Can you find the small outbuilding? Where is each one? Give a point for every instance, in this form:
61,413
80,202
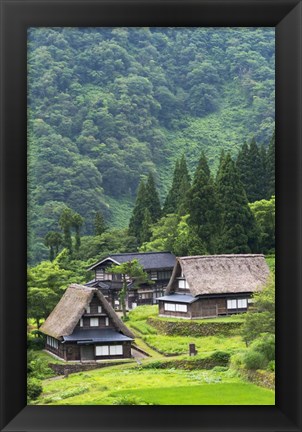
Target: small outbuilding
84,326
213,285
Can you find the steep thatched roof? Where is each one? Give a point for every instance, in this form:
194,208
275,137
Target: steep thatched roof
217,274
65,316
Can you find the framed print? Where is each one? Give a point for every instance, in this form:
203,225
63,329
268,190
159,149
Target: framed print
138,184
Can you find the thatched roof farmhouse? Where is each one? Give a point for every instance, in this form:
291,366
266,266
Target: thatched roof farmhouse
212,285
84,326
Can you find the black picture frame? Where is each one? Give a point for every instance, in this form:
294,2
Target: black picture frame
16,17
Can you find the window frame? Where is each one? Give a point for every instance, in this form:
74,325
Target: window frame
94,319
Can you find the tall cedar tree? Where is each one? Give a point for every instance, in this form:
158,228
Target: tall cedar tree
99,223
146,227
256,186
77,224
66,222
176,200
270,168
147,199
203,206
239,233
152,199
53,240
243,165
251,167
136,220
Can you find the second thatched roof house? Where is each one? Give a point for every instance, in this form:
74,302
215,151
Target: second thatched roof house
83,326
213,285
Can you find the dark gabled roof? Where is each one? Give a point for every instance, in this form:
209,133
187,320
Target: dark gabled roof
104,284
96,335
149,260
179,298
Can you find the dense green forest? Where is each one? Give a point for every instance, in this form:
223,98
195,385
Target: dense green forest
110,109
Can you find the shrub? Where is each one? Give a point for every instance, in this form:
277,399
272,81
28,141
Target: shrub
271,366
34,389
130,400
143,312
220,368
237,361
221,357
265,344
37,366
34,342
254,360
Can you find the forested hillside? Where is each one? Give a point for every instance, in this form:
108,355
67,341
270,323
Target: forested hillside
107,107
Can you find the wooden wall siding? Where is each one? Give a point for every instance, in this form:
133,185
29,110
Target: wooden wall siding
72,352
60,352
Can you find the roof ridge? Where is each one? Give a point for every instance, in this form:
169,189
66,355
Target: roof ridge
222,256
139,253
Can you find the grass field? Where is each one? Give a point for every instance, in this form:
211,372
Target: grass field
133,385
205,345
206,394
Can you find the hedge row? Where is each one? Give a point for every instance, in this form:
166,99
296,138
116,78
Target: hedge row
193,328
218,358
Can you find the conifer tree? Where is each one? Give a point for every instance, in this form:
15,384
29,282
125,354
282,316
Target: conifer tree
255,189
152,199
176,200
171,198
66,222
99,223
146,233
147,200
270,168
239,232
77,224
251,170
136,220
53,240
243,167
203,207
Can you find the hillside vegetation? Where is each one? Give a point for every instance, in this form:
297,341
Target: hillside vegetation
108,106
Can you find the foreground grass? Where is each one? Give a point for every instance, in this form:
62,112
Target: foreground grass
131,384
205,394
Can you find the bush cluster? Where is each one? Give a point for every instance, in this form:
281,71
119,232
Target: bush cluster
35,341
34,389
259,355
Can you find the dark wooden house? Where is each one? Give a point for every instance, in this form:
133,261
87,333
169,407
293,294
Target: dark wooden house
158,266
211,286
83,326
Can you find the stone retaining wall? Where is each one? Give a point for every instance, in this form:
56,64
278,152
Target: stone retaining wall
262,378
193,328
65,369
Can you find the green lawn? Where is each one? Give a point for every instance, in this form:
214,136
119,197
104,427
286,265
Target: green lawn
204,345
205,394
131,384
